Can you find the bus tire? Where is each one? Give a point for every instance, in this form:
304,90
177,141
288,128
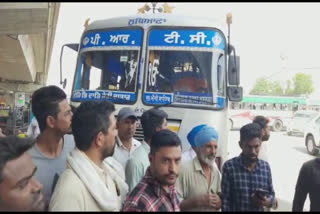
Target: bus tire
277,126
311,146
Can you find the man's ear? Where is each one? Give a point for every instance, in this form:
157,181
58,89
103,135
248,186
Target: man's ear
50,121
240,144
158,129
151,157
195,149
99,139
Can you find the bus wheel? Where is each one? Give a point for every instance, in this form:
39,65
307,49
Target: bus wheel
277,126
311,146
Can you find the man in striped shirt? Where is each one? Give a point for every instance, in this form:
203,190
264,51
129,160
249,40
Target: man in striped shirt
246,180
156,191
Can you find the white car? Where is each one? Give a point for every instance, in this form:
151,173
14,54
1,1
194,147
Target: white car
299,121
312,136
236,121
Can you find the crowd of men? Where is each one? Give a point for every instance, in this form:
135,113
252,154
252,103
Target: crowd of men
86,159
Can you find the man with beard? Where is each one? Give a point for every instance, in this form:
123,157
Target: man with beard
156,191
152,121
89,183
199,182
19,189
265,135
125,143
246,180
53,113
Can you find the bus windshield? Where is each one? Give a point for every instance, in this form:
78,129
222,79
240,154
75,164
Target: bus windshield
108,66
185,67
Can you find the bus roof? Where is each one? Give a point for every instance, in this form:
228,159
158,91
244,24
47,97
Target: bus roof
274,99
159,19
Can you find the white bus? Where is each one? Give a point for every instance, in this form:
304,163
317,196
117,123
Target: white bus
160,60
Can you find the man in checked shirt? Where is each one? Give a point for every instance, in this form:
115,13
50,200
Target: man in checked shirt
246,180
156,191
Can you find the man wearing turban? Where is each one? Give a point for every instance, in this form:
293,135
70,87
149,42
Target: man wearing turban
199,181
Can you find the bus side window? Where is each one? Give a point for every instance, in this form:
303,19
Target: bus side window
85,81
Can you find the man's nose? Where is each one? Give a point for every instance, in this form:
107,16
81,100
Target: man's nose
173,168
36,185
253,151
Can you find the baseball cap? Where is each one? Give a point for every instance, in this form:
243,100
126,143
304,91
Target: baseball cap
126,112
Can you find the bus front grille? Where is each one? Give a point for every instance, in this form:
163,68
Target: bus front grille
139,133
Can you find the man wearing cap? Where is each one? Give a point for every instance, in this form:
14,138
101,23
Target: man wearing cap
199,181
125,143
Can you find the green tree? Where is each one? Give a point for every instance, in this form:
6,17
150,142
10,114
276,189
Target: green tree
261,87
276,89
267,87
288,91
302,84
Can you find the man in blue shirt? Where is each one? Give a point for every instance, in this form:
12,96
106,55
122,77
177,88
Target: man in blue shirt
246,180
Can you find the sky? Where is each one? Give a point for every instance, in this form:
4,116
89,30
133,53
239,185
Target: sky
273,40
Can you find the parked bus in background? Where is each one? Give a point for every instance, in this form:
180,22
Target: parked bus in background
279,109
183,65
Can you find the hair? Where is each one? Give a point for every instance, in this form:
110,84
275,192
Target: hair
151,120
89,119
12,147
261,120
73,108
249,131
45,102
164,138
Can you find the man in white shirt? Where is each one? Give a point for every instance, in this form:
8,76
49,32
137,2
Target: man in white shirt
125,143
89,183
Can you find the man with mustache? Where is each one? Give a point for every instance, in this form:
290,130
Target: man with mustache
19,189
152,121
125,142
246,180
156,191
265,135
199,182
89,183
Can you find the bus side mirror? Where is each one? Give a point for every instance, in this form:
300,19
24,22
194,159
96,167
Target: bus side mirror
234,70
73,46
235,93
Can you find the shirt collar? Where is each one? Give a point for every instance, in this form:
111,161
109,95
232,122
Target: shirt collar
157,186
120,144
196,164
99,169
